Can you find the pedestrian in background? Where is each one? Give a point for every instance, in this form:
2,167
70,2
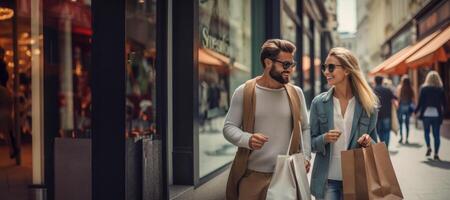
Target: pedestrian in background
386,97
430,108
405,94
342,118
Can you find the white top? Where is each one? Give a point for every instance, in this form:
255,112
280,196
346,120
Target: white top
273,118
431,112
344,124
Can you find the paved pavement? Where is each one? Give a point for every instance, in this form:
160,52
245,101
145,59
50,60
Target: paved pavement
14,180
421,177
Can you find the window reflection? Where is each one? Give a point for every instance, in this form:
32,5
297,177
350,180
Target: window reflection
224,64
68,33
289,28
141,68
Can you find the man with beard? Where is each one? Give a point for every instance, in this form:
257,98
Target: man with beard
263,114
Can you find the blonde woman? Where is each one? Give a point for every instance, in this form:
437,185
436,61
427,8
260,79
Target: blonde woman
342,118
430,108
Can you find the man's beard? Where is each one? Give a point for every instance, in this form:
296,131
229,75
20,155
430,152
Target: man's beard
278,76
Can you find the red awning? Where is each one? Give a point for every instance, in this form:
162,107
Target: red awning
431,52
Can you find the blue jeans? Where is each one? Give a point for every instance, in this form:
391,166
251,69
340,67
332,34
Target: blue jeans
384,130
334,190
404,111
435,124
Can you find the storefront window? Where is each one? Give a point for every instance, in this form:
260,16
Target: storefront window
140,69
15,69
224,64
20,54
401,41
142,144
68,31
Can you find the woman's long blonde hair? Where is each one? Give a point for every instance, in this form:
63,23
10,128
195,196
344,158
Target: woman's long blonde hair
358,83
433,79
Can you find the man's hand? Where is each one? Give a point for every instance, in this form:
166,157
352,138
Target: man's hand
332,136
365,140
257,141
307,166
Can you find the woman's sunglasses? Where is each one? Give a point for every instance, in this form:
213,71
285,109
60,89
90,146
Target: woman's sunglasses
330,67
286,64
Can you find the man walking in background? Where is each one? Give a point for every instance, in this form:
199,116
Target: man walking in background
384,115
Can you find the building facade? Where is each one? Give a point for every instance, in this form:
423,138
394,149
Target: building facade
379,20
348,41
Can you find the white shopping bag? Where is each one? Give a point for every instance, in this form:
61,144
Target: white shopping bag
289,180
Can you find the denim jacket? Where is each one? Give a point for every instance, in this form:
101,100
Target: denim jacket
321,121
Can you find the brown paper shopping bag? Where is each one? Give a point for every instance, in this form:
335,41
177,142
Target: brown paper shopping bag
368,174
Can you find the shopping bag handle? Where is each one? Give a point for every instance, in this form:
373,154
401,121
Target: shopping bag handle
301,139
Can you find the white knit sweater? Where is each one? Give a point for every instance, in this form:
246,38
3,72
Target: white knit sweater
273,118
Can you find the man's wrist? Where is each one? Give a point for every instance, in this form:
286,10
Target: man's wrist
250,142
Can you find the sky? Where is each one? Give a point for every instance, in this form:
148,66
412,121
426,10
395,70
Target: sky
346,15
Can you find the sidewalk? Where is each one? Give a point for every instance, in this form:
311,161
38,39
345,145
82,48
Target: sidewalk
14,180
421,177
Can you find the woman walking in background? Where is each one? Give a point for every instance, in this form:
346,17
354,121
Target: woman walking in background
405,107
431,106
342,118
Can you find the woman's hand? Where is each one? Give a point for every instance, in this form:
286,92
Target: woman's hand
307,165
332,136
365,140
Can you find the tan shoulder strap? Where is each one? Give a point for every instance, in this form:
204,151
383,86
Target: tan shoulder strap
248,120
239,165
294,103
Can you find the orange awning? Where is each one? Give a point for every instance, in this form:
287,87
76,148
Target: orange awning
398,65
431,52
210,57
385,63
205,57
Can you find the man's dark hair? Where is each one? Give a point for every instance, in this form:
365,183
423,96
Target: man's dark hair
271,48
378,80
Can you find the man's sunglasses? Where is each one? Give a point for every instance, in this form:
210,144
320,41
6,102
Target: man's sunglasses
286,64
330,67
